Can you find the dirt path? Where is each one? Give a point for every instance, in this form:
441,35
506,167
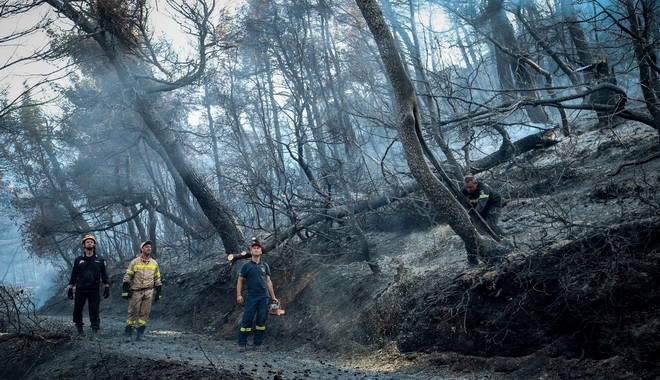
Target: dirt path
171,354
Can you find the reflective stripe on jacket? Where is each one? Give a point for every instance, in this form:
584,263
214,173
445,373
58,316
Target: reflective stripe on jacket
143,275
483,198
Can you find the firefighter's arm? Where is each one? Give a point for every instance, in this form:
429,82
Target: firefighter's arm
481,204
128,276
126,292
74,275
104,274
106,281
269,284
239,290
158,281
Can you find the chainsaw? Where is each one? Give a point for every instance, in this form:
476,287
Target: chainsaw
274,308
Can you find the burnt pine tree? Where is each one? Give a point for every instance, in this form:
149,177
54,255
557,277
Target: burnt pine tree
113,29
409,130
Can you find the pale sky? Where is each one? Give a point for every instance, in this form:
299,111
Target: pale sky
12,77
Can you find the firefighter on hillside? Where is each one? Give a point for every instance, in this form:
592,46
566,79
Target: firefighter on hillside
485,201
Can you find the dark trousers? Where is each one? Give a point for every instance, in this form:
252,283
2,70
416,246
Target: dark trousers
94,301
258,306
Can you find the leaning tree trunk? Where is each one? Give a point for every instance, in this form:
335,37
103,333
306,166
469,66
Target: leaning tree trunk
220,216
408,127
425,83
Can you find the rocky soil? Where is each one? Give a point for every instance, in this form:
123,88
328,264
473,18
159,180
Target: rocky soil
576,299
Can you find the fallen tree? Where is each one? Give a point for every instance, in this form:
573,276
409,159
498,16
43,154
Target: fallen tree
540,140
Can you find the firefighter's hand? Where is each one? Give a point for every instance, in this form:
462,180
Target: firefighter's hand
158,295
125,293
106,292
70,293
240,299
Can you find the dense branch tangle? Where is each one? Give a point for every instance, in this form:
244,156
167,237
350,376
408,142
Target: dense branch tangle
308,77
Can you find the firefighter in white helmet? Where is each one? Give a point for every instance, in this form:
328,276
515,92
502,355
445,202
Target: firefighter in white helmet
142,284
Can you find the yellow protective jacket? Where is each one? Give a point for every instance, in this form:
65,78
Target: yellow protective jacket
143,275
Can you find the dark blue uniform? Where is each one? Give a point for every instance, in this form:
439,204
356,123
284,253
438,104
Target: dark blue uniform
257,301
488,204
87,275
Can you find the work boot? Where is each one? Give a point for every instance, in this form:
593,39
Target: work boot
81,333
140,332
128,333
242,347
94,336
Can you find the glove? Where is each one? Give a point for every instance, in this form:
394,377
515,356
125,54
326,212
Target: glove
126,290
158,295
70,293
106,292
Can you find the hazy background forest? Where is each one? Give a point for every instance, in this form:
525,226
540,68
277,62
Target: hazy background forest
198,126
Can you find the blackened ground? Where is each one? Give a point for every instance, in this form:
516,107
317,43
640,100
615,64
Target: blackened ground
169,354
576,299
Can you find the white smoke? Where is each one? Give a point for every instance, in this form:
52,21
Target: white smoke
18,269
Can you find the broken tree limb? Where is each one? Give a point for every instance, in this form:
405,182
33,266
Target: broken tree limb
238,256
635,163
539,140
35,336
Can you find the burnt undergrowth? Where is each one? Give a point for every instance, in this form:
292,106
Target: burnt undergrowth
576,299
586,299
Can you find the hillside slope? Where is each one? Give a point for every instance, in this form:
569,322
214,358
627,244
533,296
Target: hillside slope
576,298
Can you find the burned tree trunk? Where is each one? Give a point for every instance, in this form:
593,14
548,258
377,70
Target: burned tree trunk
408,127
540,140
514,73
143,100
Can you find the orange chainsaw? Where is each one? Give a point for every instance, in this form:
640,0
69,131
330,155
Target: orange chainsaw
274,308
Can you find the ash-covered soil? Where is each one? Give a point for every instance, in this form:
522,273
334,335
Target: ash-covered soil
576,299
169,354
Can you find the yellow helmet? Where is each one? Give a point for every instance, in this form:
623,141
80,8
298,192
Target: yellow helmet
88,236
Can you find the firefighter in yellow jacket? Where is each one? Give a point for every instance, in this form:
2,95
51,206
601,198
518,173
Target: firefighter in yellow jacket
141,282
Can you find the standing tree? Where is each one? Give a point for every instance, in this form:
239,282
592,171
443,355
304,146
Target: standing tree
408,127
643,31
513,71
121,33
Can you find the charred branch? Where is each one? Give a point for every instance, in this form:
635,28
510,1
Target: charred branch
540,140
